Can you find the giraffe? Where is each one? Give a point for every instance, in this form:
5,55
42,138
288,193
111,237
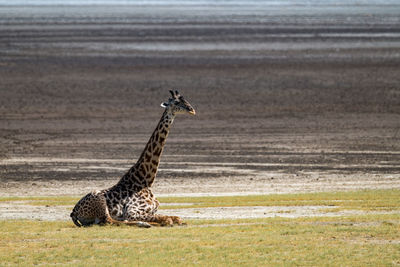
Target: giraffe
131,200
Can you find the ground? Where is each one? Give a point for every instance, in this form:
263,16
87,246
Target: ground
284,103
292,159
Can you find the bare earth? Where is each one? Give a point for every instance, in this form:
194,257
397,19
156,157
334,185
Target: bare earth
285,104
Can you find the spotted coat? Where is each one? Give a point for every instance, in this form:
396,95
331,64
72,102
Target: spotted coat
131,200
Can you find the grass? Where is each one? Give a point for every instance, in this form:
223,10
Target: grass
368,240
372,200
362,240
367,200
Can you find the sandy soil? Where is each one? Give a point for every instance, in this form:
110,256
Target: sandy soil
285,103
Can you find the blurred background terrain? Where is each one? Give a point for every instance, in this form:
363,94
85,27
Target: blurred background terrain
291,96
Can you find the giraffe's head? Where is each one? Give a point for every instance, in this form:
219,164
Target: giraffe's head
177,104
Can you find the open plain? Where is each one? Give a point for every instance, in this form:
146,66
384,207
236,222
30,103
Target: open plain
292,159
293,98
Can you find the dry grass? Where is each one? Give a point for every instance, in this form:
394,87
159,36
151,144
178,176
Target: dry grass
363,240
355,241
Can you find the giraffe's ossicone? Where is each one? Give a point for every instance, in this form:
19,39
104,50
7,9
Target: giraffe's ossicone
131,201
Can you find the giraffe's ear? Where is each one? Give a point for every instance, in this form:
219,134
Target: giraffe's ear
164,105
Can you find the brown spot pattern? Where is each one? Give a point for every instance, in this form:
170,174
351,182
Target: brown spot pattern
131,198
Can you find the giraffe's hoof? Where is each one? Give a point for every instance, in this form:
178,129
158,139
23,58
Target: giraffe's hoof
177,220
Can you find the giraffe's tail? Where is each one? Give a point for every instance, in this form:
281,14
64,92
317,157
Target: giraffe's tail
75,219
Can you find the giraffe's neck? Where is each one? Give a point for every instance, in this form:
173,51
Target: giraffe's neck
147,164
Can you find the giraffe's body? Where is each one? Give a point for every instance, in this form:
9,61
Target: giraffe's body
131,201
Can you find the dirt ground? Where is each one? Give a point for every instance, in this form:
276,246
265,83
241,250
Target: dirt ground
60,136
284,104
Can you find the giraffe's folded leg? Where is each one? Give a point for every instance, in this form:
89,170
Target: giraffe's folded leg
126,222
165,220
161,219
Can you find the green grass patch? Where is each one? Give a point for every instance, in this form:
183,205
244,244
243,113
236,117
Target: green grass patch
369,200
369,240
